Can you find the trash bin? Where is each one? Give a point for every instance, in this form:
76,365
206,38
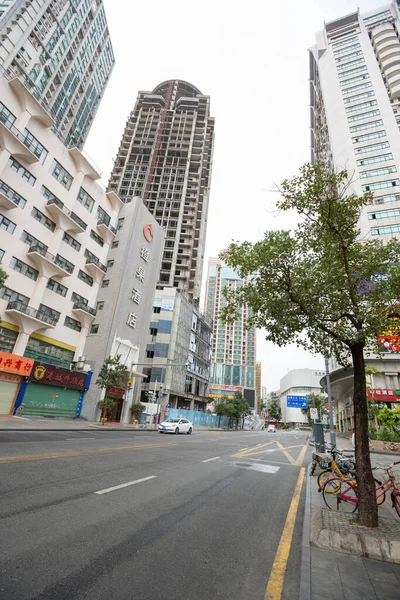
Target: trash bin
319,437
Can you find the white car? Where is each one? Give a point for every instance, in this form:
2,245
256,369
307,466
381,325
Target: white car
271,428
176,426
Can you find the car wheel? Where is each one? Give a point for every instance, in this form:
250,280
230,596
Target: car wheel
190,430
160,431
177,431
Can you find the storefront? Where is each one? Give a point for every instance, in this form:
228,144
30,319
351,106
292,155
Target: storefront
54,391
13,370
114,413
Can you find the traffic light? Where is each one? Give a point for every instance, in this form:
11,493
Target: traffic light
130,381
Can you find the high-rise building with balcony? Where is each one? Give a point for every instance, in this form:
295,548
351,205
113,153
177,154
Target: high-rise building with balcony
355,109
233,358
61,51
165,157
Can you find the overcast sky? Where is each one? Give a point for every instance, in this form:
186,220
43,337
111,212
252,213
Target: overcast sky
251,58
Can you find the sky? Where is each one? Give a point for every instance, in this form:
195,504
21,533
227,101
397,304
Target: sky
251,59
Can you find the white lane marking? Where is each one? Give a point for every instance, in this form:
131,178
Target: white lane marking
23,418
256,467
210,459
79,439
243,448
258,445
124,485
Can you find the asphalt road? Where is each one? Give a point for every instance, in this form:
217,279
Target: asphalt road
201,518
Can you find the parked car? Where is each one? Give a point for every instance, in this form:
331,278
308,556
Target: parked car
176,426
271,428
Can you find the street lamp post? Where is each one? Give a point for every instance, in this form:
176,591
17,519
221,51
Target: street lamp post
328,385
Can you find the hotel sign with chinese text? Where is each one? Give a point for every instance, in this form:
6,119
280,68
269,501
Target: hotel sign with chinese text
52,375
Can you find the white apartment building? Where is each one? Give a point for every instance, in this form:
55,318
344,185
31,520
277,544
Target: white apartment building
56,227
355,109
298,382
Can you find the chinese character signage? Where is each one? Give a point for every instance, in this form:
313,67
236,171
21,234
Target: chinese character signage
382,395
12,363
52,375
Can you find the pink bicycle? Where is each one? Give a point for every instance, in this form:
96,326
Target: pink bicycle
340,494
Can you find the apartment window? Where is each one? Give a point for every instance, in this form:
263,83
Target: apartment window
6,116
100,305
94,328
352,63
72,323
102,216
76,298
366,126
343,42
12,194
385,230
156,309
347,49
61,175
354,79
369,136
71,241
85,278
366,115
372,147
378,16
355,88
387,198
115,244
53,314
21,171
374,159
356,107
23,268
64,263
39,216
35,146
12,296
56,287
380,185
99,240
348,56
105,283
2,253
6,224
29,239
120,223
85,199
385,214
110,263
378,172
356,98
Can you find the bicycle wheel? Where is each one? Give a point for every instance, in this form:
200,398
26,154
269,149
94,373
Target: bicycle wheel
323,478
345,500
396,502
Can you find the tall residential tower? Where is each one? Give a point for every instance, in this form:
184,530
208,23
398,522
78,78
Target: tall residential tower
165,157
61,51
233,358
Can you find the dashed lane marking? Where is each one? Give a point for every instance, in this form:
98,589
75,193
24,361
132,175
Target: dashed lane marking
210,459
124,485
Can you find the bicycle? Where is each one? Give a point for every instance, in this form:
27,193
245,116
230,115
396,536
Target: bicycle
341,464
346,498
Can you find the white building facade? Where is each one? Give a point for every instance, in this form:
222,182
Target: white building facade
56,226
298,382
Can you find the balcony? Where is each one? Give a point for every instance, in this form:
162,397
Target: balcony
115,200
17,144
48,262
106,229
18,309
9,198
65,216
96,268
81,306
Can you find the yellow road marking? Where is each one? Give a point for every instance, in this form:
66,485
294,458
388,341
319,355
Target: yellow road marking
288,456
277,575
30,457
301,456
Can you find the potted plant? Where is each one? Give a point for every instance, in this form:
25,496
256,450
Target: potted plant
136,409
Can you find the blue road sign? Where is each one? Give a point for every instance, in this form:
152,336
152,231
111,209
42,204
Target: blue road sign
297,401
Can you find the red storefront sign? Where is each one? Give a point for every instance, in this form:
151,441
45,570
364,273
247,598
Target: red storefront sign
382,395
18,365
52,375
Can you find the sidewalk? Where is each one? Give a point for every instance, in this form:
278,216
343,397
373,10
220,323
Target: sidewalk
340,575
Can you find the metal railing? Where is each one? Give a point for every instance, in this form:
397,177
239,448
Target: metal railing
31,312
11,194
95,261
82,306
68,212
107,223
51,258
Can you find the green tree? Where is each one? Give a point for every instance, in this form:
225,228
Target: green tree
235,408
324,288
113,374
315,401
275,410
389,417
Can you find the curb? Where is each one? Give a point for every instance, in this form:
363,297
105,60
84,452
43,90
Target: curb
305,567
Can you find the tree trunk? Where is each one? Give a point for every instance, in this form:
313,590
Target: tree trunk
367,509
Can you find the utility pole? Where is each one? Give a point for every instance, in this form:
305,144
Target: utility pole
328,385
127,397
